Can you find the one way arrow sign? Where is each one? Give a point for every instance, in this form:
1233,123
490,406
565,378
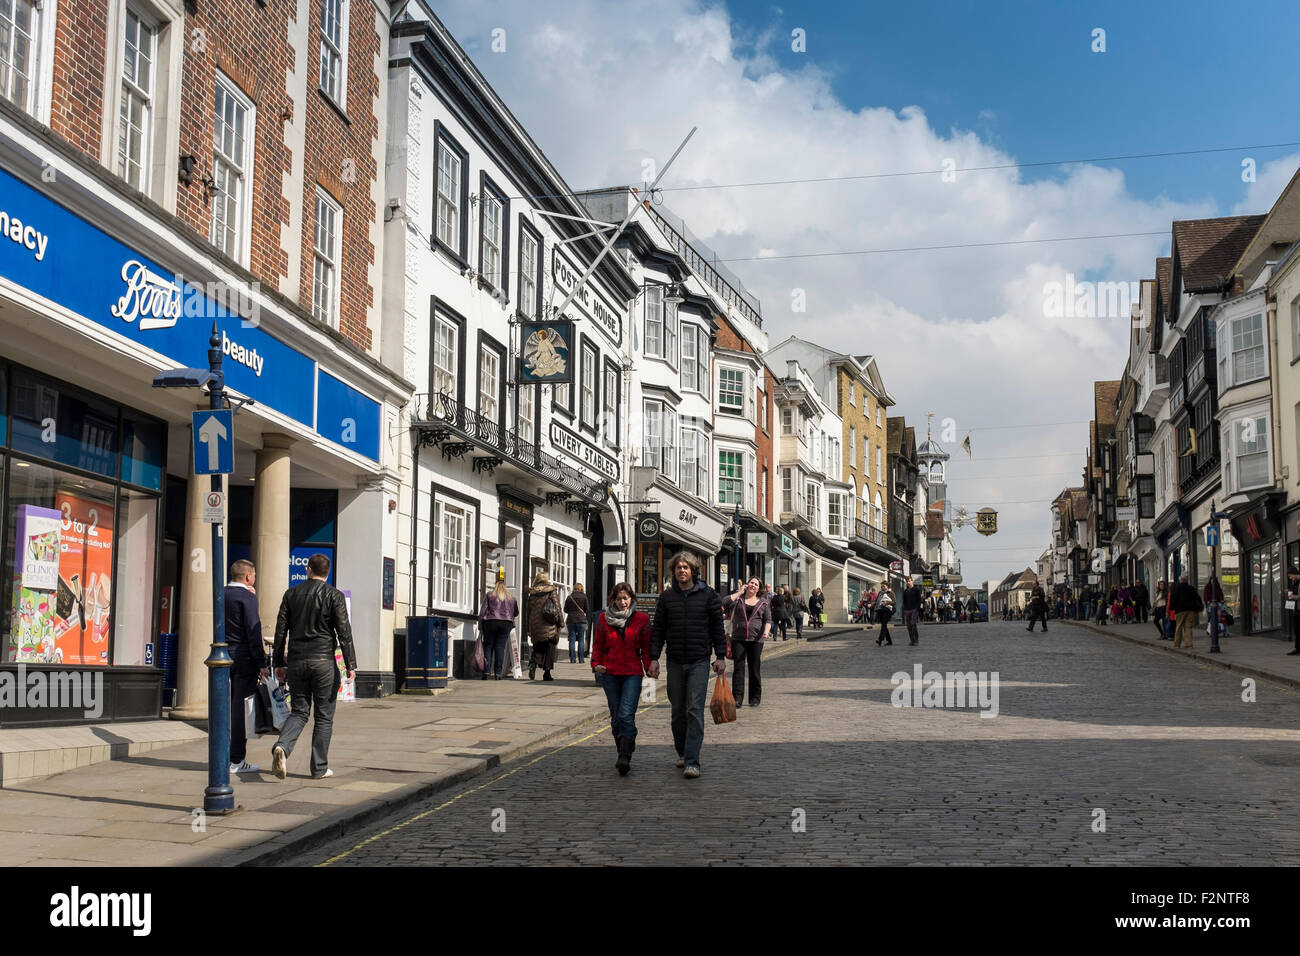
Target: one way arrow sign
214,442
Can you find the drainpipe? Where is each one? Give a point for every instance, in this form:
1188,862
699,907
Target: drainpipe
415,517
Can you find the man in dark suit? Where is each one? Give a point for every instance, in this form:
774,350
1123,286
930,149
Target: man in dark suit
248,656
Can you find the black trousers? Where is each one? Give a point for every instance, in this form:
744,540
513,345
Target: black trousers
243,683
751,653
1035,617
883,617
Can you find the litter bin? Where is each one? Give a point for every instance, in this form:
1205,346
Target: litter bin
167,661
426,654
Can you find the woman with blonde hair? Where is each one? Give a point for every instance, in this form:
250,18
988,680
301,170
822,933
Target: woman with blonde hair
496,619
544,619
575,618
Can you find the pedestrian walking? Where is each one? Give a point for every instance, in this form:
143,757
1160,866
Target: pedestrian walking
780,611
544,619
1141,601
871,605
884,611
248,663
1212,597
1186,603
1292,594
575,611
1160,609
496,619
751,625
972,609
688,619
313,620
912,610
800,615
1037,607
620,657
816,605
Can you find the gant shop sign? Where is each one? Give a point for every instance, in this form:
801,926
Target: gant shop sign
88,272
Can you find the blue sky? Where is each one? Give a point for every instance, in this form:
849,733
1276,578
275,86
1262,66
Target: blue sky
1174,76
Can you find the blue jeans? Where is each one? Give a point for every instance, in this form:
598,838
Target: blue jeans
622,692
577,643
688,685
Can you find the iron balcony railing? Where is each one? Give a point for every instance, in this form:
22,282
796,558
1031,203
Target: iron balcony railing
871,534
721,279
442,420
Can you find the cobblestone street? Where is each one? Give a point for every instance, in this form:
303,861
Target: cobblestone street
826,771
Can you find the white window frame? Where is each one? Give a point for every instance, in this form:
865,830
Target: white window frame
334,53
528,272
689,369
866,456
853,447
652,439
1239,452
878,425
835,511
726,373
131,90
672,441
1229,356
326,262
880,466
491,244
40,78
524,417
654,321
731,488
813,504
227,167
787,421
878,511
590,359
451,202
607,427
787,491
489,374
853,394
453,554
560,558
1295,329
446,358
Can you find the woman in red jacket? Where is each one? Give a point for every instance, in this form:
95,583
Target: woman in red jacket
620,655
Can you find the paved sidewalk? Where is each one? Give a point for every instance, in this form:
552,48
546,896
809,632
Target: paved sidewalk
386,753
1263,657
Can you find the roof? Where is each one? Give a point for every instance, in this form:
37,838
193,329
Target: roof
931,449
1164,270
1208,249
1105,395
1280,229
1079,502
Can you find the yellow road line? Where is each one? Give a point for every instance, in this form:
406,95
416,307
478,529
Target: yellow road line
497,779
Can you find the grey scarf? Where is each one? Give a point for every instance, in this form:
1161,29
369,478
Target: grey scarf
617,618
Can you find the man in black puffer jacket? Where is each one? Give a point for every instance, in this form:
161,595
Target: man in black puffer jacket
312,615
688,617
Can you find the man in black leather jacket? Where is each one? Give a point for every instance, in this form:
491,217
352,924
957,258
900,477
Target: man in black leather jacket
312,615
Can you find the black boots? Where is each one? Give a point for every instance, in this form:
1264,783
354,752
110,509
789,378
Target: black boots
625,747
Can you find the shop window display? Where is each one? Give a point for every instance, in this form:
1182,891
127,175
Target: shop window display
1265,566
1230,570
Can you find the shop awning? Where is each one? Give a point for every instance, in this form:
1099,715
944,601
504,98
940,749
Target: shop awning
823,546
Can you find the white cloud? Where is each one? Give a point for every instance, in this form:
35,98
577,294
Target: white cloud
960,332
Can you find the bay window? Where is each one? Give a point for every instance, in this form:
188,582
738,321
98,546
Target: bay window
1246,464
731,392
731,477
1241,351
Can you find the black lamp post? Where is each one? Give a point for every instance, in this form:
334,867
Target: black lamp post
735,572
219,796
1214,606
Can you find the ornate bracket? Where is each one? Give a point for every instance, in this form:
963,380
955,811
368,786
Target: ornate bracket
456,449
555,497
486,463
432,437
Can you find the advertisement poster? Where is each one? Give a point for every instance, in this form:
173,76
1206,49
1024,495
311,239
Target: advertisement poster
85,580
347,688
37,594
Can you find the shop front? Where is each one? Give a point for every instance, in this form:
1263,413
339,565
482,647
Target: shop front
1252,566
669,522
105,543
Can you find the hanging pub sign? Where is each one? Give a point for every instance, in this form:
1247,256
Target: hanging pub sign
986,521
545,358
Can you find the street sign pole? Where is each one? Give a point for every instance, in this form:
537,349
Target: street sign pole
219,797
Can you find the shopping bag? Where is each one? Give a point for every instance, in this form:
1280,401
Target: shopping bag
480,661
723,705
279,702
822,617
263,709
250,717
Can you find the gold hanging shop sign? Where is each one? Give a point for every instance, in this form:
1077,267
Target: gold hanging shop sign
986,521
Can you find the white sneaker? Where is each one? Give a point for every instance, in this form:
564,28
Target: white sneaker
690,773
278,761
681,762
327,773
244,767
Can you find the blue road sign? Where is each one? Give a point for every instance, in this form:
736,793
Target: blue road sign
214,442
1211,535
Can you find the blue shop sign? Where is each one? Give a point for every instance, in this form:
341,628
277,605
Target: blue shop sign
55,254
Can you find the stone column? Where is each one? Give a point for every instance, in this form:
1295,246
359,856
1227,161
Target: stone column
367,533
195,632
270,532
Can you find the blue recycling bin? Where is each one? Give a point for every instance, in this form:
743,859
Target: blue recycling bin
166,659
426,654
